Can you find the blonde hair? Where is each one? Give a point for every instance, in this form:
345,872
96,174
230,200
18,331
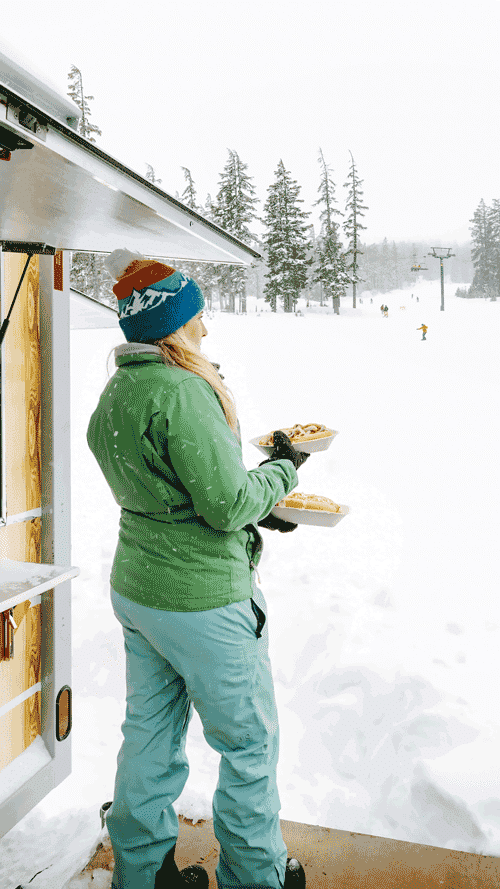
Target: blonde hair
178,351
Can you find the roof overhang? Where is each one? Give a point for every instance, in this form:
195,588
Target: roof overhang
67,192
87,312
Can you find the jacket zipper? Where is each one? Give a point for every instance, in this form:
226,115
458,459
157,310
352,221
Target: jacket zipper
252,565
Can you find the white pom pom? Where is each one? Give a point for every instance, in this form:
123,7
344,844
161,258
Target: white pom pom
119,260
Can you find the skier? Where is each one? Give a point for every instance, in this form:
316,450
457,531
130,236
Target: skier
382,308
423,329
386,311
166,436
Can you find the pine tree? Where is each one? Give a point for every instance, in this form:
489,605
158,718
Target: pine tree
150,175
188,196
203,273
494,219
395,272
331,270
233,211
484,252
210,278
87,271
85,128
285,241
352,225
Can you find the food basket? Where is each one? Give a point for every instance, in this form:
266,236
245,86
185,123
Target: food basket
305,447
310,516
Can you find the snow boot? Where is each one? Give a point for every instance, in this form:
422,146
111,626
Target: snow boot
295,877
170,877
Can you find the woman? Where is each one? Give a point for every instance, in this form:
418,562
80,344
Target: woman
166,436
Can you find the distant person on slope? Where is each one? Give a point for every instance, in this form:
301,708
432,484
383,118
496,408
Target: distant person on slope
166,436
423,329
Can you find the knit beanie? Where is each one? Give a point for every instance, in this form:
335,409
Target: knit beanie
153,299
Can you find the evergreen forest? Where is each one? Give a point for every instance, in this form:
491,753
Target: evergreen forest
298,261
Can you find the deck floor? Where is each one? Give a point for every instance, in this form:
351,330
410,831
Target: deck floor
339,859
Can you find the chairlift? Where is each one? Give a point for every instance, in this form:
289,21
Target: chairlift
419,268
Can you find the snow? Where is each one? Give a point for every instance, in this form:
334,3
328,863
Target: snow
21,74
384,631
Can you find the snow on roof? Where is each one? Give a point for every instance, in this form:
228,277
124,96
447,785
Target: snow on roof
19,74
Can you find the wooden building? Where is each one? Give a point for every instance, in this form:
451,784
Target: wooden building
58,193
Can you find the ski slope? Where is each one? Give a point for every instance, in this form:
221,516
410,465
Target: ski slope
384,631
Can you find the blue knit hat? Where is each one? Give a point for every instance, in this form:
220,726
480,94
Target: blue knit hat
153,299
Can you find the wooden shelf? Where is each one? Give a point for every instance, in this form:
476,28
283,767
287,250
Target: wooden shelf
26,580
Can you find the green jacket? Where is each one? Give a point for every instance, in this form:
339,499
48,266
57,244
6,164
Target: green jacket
188,539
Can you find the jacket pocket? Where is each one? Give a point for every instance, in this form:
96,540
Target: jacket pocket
261,618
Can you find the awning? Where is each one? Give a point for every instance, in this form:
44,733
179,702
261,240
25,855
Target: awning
87,312
66,192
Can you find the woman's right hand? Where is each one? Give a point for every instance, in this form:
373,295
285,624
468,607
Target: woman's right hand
273,523
283,450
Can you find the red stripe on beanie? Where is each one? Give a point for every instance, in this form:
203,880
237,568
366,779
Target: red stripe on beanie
139,274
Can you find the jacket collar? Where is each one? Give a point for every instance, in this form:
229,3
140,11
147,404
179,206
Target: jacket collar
130,351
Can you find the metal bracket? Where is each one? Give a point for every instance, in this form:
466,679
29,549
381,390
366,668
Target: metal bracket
34,248
26,118
10,141
31,248
7,627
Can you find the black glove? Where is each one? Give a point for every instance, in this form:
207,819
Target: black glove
275,524
282,450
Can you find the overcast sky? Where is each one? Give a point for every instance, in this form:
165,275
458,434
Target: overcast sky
411,88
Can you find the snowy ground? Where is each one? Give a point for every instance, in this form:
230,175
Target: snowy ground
384,631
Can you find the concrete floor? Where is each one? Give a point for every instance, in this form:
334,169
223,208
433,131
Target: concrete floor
338,859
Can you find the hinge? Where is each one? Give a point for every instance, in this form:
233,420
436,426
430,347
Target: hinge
7,627
28,119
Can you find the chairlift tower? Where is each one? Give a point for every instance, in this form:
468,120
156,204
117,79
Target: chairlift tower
442,253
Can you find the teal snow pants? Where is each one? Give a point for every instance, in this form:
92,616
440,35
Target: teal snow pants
216,661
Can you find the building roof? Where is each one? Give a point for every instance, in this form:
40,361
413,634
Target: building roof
64,191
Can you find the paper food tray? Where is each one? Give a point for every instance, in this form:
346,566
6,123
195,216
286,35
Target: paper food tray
305,447
310,516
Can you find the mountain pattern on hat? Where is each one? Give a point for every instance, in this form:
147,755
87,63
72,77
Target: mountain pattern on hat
152,297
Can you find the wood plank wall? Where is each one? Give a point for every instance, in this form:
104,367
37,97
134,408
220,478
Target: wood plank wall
22,541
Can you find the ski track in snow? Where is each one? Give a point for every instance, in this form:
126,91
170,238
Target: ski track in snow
384,631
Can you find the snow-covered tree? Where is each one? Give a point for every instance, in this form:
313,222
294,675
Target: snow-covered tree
188,196
484,252
204,273
150,175
87,272
285,241
234,211
85,128
494,217
330,270
352,225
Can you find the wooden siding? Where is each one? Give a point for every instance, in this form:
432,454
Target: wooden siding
21,540
22,386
